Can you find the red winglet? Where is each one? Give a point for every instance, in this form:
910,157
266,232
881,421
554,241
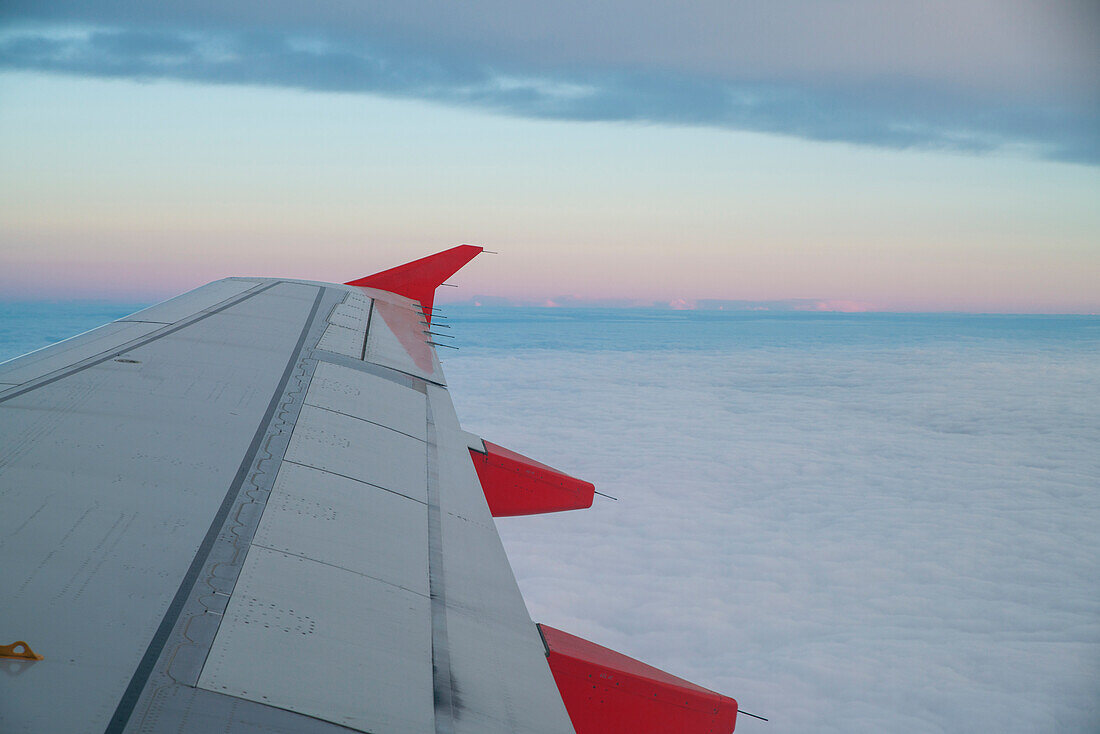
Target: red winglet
419,279
606,692
516,485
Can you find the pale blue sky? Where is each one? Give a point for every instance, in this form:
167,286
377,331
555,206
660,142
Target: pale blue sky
146,168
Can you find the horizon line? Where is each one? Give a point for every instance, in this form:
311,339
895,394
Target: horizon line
803,306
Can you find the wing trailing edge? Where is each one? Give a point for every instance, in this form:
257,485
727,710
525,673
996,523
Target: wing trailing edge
419,279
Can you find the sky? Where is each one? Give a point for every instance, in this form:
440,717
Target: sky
850,155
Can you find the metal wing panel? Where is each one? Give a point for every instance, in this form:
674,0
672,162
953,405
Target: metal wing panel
398,339
109,480
65,353
360,450
497,667
352,313
346,595
195,301
342,340
346,332
369,397
326,642
118,333
347,524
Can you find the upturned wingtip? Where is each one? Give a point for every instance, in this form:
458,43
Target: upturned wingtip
419,279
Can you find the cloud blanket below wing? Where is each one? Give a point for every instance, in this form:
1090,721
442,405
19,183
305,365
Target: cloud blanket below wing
851,524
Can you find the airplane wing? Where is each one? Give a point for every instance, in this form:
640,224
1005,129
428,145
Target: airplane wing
251,508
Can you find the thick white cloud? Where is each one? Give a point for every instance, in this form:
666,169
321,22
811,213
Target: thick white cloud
847,532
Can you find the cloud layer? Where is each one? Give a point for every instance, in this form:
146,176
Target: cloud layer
971,76
851,524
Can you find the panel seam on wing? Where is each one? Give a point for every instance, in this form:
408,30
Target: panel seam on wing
360,418
336,566
345,476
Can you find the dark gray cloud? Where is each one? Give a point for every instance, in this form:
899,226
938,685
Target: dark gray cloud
971,75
